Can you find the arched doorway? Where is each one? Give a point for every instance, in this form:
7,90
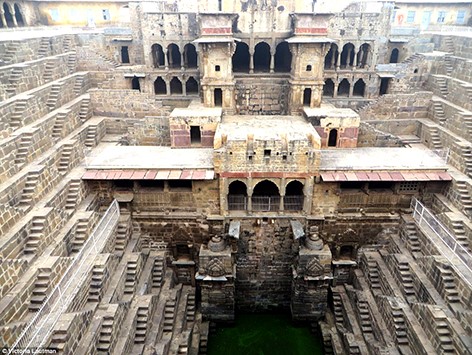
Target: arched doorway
19,17
331,58
359,88
218,97
262,57
237,196
175,86
283,58
394,55
160,87
8,15
333,138
157,55
343,88
266,197
306,97
347,55
293,200
384,83
173,56
191,86
135,85
190,56
328,88
241,58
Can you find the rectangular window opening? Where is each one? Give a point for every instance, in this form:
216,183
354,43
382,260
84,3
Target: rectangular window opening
381,185
106,14
267,152
352,185
180,185
152,184
410,16
195,135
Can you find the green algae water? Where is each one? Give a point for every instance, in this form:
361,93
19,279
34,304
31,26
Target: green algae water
264,334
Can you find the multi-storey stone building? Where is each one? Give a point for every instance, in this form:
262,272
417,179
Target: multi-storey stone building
190,161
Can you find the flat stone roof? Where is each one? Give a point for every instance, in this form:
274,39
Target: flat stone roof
266,127
151,157
196,112
366,159
329,110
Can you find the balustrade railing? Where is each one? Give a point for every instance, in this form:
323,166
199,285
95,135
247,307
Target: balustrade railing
265,203
37,331
430,224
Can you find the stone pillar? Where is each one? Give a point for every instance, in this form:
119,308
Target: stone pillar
216,277
351,89
333,57
167,87
272,62
338,65
355,59
251,62
4,21
184,88
311,278
182,61
335,93
348,58
15,24
166,61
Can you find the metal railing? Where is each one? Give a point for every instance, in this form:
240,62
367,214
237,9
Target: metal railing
237,202
265,203
428,222
293,203
39,328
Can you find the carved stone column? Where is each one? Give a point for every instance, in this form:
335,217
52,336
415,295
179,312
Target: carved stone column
216,276
311,278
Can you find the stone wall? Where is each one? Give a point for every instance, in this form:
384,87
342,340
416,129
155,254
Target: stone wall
141,131
398,106
372,134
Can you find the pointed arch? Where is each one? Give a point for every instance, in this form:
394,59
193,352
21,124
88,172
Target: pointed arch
157,55
347,55
190,56
191,86
331,58
19,16
359,88
175,86
328,88
344,88
174,57
160,87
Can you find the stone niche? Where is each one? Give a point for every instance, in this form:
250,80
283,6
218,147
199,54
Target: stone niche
337,127
216,276
193,126
311,278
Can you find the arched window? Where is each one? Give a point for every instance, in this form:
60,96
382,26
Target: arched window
394,55
173,56
293,200
331,59
160,87
306,97
363,57
191,86
157,55
333,138
8,15
266,196
344,87
218,97
19,17
262,57
241,58
347,55
283,58
359,88
190,56
328,88
175,86
237,196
